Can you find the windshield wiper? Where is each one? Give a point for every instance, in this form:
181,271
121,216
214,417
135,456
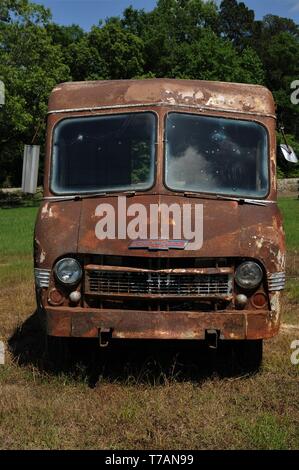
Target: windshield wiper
80,197
255,202
212,197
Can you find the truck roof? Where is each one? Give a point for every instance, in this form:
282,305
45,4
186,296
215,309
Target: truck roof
220,96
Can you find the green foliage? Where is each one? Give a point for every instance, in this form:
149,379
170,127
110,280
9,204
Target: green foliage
118,52
212,58
30,67
236,21
276,40
24,12
193,39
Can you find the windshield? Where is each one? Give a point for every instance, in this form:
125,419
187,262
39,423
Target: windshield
104,153
216,155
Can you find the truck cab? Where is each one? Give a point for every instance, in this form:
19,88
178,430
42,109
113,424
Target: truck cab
159,218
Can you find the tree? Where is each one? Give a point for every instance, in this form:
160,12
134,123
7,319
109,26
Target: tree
273,25
24,12
117,52
236,22
30,66
134,21
171,24
213,58
280,57
65,35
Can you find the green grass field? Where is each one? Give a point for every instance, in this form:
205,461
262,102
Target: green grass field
17,225
144,398
16,243
290,210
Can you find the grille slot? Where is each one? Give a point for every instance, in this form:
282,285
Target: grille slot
158,284
276,281
42,277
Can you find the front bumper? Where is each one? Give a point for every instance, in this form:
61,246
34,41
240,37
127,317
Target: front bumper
133,324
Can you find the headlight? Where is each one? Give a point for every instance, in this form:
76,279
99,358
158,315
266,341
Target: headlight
68,271
249,275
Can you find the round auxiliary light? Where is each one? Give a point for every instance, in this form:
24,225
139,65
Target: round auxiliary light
68,271
241,301
249,275
75,297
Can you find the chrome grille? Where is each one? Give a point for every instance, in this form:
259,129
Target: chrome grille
276,281
158,283
42,277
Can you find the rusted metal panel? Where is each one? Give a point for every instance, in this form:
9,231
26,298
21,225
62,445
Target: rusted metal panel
232,97
56,232
59,323
230,230
129,324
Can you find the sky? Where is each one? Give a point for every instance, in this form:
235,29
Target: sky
88,12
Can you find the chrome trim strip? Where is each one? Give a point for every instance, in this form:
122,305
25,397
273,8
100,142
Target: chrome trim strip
276,281
159,104
42,277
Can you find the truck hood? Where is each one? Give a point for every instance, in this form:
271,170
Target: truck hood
230,229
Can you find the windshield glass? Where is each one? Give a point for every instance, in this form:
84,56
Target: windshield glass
216,155
104,153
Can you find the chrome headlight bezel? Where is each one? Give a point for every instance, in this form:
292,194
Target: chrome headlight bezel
71,265
249,275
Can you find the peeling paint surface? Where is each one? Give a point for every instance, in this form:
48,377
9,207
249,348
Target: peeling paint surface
275,301
42,257
233,96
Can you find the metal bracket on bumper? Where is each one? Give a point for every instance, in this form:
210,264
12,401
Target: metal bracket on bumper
212,337
104,337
